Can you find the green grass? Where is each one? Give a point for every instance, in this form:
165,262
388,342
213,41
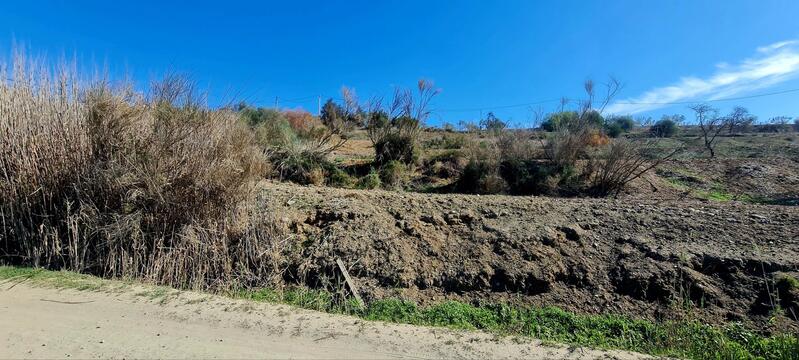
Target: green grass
678,339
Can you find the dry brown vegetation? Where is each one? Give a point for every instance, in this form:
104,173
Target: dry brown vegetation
102,179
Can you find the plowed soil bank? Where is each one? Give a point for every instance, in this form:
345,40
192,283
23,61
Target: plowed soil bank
714,262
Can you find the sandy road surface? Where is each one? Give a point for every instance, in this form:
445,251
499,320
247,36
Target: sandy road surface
38,322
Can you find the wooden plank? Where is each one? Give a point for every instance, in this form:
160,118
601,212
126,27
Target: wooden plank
349,281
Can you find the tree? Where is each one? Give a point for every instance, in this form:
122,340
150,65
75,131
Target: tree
780,123
339,121
710,125
667,126
739,119
559,119
617,124
492,123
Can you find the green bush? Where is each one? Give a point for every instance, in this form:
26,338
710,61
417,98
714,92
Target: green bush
614,130
480,177
396,147
664,128
572,119
271,127
370,181
445,165
617,125
447,141
394,174
340,178
302,167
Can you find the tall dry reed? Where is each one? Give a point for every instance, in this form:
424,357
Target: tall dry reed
106,180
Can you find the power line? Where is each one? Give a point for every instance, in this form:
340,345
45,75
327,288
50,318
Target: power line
500,107
712,100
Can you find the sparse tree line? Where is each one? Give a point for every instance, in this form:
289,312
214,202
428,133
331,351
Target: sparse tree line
576,152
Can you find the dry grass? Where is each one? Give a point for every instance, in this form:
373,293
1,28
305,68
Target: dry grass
105,180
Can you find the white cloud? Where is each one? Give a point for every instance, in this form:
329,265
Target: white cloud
772,65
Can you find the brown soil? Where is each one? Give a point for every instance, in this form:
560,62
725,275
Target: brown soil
774,179
715,262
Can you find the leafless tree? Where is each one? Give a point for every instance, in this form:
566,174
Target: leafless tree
780,123
710,124
739,119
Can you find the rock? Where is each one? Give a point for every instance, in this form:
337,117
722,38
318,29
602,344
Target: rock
572,232
432,219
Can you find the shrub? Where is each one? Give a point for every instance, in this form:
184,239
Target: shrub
664,128
396,147
271,127
616,166
340,178
614,130
448,141
394,132
299,166
579,159
446,165
370,181
104,180
394,174
480,177
573,119
617,125
528,177
302,122
558,120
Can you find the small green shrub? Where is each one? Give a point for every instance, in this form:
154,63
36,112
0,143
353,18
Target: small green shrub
664,128
449,141
614,130
271,127
480,177
572,119
340,178
370,181
446,165
302,167
396,147
394,174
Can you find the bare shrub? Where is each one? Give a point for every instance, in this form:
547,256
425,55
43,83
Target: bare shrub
617,165
108,181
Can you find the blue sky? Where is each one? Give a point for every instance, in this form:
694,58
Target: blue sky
484,55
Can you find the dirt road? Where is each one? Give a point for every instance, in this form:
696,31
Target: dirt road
139,323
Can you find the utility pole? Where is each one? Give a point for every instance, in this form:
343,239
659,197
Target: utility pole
318,106
277,103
